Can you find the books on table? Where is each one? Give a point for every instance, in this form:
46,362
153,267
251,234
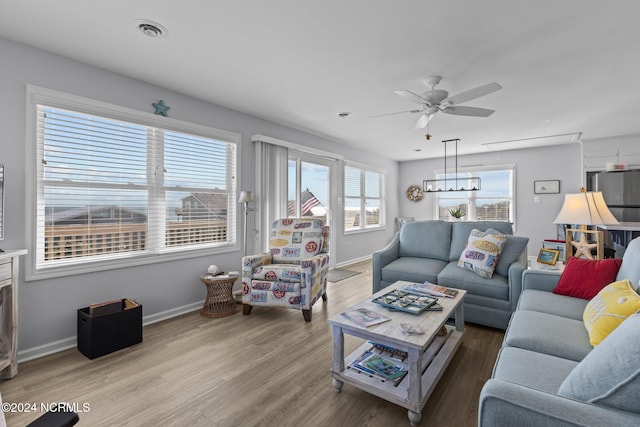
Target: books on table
428,288
364,317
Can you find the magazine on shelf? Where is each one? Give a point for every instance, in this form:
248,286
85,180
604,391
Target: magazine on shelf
382,362
364,317
428,288
402,300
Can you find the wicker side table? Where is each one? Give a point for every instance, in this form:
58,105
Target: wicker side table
219,301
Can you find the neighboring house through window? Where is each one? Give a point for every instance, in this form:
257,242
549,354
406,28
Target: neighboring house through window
113,186
493,202
364,204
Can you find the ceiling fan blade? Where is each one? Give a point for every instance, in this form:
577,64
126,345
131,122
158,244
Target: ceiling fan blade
397,112
470,94
412,97
461,110
423,121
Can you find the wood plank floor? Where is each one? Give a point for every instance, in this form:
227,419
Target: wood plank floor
266,369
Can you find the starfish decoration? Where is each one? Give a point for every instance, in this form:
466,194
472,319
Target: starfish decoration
583,247
161,109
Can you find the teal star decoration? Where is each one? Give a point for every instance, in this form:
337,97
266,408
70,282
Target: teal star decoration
161,109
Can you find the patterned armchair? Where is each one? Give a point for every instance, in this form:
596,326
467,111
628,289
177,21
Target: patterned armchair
294,273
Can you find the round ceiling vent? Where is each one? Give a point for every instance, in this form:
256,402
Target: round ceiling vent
151,28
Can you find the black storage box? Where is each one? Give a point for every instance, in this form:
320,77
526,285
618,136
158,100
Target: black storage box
103,334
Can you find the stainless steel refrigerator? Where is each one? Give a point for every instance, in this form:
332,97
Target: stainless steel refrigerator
621,191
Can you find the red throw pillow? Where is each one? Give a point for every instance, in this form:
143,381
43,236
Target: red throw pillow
584,278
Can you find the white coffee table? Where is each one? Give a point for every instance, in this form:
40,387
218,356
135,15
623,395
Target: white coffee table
428,354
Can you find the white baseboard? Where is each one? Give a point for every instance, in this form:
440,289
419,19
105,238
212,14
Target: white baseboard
353,261
71,342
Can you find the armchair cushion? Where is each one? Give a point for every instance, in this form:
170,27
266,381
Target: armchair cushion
294,239
275,294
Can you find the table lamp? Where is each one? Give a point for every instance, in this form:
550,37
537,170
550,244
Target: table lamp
585,208
245,197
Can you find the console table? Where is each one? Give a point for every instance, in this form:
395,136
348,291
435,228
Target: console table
9,302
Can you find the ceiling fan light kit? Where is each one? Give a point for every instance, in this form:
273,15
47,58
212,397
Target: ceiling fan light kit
469,183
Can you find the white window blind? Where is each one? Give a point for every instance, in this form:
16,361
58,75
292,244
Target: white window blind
110,189
493,202
363,198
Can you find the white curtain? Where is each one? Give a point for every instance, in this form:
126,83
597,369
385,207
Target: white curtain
271,188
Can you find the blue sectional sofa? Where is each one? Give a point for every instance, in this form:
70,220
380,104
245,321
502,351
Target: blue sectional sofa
429,250
548,374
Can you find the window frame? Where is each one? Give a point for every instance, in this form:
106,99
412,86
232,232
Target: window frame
472,196
38,95
364,228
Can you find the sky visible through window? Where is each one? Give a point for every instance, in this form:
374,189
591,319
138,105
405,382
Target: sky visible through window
101,152
494,188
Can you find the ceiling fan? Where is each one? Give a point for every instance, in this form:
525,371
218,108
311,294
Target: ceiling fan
435,100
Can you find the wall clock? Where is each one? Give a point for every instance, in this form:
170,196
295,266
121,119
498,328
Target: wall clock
414,193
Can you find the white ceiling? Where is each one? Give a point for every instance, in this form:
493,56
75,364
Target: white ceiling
569,66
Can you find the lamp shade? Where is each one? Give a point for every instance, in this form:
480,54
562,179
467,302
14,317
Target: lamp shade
245,197
587,208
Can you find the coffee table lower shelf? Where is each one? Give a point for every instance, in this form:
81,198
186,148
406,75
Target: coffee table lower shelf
432,364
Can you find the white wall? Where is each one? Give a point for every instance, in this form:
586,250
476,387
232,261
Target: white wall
47,308
533,220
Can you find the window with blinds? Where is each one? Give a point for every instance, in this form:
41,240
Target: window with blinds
363,198
112,189
493,202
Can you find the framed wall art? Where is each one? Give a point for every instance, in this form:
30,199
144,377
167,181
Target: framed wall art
546,187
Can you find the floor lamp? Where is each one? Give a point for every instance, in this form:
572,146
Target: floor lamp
245,198
585,208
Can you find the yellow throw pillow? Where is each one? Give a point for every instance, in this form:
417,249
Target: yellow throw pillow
608,309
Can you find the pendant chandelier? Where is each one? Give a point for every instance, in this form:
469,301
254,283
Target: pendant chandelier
467,183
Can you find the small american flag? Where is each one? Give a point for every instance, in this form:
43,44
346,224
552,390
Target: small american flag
308,201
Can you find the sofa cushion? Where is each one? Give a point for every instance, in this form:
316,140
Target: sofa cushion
412,269
547,302
532,369
511,251
548,334
610,374
426,239
460,234
629,268
481,253
584,278
496,287
609,308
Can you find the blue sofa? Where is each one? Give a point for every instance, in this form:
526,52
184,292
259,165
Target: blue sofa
548,374
429,250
